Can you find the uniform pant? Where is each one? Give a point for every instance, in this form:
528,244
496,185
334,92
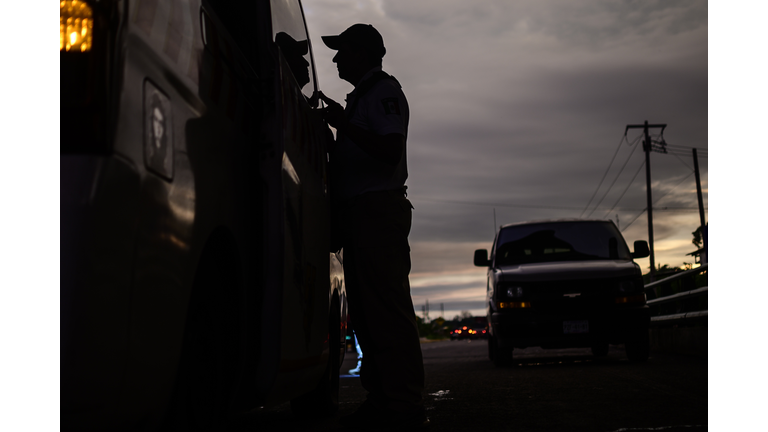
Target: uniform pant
376,266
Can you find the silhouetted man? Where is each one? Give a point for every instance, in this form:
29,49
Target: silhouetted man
369,173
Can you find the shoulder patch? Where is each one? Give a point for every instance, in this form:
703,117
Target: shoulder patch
391,105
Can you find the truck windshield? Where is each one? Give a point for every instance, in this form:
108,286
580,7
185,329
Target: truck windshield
560,241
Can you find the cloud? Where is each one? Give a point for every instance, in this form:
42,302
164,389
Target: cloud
520,106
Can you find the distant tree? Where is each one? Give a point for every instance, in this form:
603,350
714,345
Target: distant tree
667,269
465,314
457,318
661,270
697,239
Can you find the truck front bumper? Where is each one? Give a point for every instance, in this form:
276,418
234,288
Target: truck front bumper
527,327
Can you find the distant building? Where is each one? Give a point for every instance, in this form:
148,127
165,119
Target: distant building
697,255
700,256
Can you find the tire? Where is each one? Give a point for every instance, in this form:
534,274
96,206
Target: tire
323,400
211,354
501,357
491,348
638,348
600,350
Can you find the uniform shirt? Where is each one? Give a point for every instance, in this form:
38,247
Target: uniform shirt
382,110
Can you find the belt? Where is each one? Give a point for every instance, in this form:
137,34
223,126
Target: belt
400,192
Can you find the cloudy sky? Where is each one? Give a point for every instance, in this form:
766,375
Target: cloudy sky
520,107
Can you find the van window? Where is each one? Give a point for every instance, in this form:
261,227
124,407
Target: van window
561,241
240,21
290,35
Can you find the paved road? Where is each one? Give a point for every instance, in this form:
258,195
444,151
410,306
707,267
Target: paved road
544,390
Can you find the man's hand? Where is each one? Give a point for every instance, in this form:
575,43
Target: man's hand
333,113
387,148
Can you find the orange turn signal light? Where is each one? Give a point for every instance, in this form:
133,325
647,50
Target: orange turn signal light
75,26
640,298
510,305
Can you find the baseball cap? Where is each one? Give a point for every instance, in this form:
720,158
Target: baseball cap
288,43
363,36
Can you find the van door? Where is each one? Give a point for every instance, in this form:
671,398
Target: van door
301,149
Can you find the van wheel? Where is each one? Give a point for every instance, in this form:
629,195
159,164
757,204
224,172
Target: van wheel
323,401
211,355
639,347
491,347
502,357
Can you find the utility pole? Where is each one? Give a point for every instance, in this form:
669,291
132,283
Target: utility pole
442,311
648,147
427,314
701,207
698,188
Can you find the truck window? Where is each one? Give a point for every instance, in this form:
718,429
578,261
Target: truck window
290,34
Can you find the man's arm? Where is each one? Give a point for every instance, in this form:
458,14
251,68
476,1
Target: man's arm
387,148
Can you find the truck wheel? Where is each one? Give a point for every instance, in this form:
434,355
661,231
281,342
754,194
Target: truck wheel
323,401
211,355
638,348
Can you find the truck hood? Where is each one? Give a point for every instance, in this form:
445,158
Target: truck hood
570,270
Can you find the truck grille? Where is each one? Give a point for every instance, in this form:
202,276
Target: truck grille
571,296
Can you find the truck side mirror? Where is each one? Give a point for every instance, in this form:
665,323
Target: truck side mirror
641,249
481,258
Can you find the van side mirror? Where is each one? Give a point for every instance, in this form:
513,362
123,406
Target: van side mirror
481,258
641,249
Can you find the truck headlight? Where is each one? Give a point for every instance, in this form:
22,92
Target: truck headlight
514,292
631,286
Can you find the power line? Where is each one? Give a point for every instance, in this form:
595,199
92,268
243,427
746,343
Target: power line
614,180
703,156
680,150
633,220
677,146
625,189
686,147
657,209
483,204
681,161
673,188
684,151
669,210
624,137
534,206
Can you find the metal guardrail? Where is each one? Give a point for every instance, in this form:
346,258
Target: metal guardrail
685,310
